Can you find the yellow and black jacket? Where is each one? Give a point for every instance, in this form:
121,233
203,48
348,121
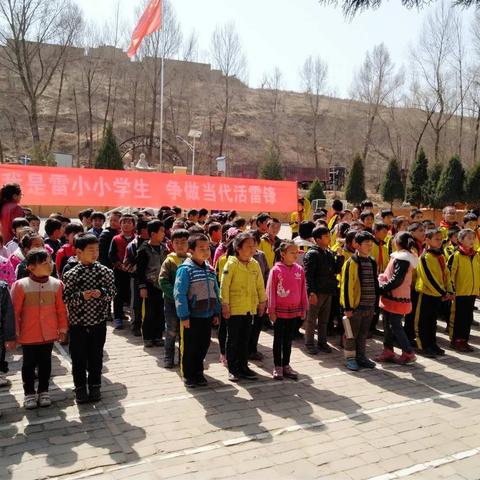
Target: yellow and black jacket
433,275
465,273
449,250
381,255
350,285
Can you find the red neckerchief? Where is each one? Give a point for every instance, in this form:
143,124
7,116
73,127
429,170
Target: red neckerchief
446,225
469,253
419,247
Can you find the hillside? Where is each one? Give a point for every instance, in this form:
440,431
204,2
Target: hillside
193,99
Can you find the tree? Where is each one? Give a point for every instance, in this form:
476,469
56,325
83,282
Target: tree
228,57
316,191
392,187
431,187
451,186
416,194
109,157
272,167
472,186
355,190
314,75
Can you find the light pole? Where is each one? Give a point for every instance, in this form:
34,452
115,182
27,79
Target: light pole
195,134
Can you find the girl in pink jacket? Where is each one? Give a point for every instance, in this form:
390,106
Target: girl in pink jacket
287,303
395,301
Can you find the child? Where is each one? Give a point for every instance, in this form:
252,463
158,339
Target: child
395,300
167,282
367,218
89,290
197,302
261,222
97,219
380,249
452,242
7,331
41,319
287,301
150,257
85,216
192,215
304,241
116,256
106,238
67,250
296,218
358,297
34,223
449,220
19,225
54,231
270,242
29,242
321,269
417,230
10,196
7,272
464,267
470,220
215,235
243,296
433,287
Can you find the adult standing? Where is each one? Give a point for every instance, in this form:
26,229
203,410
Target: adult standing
10,196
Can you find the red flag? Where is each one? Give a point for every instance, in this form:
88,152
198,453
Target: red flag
150,22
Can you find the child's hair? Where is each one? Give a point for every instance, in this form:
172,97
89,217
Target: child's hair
283,247
366,204
73,228
470,217
19,222
8,191
462,234
177,210
28,239
203,212
305,229
255,233
363,236
378,227
405,241
413,227
178,224
225,228
36,256
428,224
345,212
141,225
180,233
98,215
33,218
87,213
431,233
319,232
301,201
169,221
397,223
452,231
262,217
350,236
52,225
115,213
273,221
214,227
128,216
240,239
83,240
232,214
60,217
414,213
22,231
342,229
192,213
365,215
322,223
386,213
194,239
239,222
194,229
337,205
154,226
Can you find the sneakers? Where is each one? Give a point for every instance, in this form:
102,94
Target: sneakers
201,381
81,395
438,350
324,347
428,353
460,345
118,324
223,360
44,400
233,377
351,364
365,362
168,363
277,373
289,372
189,383
311,349
159,342
386,356
30,402
94,394
4,381
248,374
406,358
148,343
256,356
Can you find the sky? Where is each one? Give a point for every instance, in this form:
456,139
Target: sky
283,33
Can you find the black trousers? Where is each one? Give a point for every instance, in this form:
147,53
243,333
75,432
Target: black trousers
36,356
392,323
86,350
238,336
222,335
137,306
255,334
426,315
153,324
409,325
194,344
122,284
461,318
283,330
3,352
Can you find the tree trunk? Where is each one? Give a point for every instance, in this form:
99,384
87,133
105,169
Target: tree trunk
33,118
109,92
90,122
57,109
78,126
152,122
368,137
315,147
135,90
225,118
1,152
477,130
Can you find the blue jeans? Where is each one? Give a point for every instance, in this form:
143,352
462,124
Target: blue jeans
172,324
394,331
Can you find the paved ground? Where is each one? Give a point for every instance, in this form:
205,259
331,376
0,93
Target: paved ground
416,422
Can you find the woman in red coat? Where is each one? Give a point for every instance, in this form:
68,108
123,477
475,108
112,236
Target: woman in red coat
10,196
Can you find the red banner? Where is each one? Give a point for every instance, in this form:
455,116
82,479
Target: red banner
81,186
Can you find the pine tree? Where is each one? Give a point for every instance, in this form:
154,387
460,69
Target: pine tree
472,186
355,189
434,175
451,186
418,178
272,167
392,186
109,157
316,191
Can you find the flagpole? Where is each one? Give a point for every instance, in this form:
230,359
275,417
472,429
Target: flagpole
161,108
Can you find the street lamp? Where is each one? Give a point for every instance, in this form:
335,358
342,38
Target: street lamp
195,134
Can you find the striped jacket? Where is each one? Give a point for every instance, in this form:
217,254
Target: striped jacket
196,291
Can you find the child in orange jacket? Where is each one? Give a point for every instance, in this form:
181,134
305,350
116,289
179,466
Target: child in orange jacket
41,319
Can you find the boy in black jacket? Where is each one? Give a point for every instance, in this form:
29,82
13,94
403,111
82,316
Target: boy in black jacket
321,268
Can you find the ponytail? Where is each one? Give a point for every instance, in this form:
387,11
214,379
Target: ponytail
405,241
7,192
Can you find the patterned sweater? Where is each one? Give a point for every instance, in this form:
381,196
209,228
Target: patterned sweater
87,313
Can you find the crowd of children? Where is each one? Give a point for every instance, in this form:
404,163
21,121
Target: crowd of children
175,276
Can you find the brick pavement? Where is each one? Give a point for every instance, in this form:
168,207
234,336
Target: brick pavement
418,422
